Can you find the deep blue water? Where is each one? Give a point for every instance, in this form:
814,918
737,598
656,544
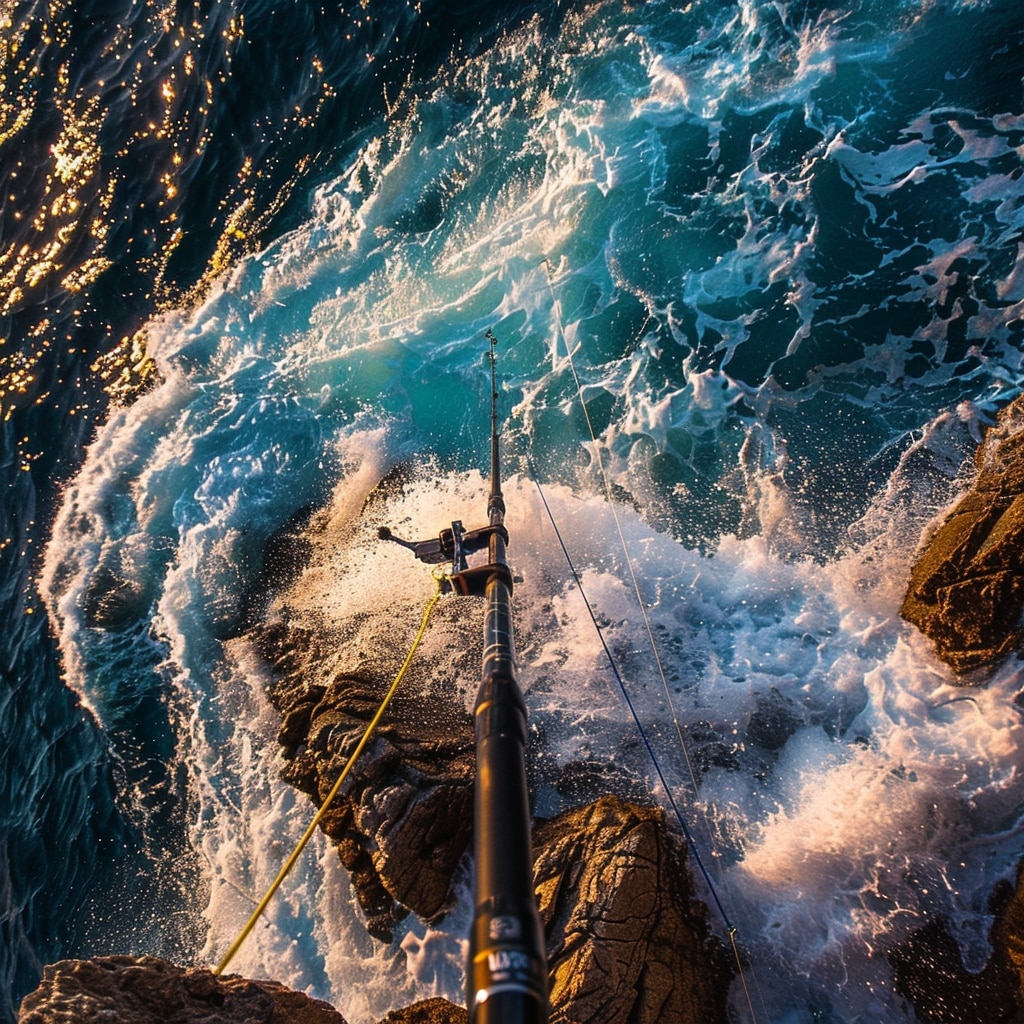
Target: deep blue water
782,245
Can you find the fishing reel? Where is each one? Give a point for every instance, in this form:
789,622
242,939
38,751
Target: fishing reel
453,545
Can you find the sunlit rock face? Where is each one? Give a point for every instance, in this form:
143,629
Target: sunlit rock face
966,590
966,593
626,941
428,1011
148,990
403,821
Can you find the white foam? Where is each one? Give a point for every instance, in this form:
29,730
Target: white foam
878,794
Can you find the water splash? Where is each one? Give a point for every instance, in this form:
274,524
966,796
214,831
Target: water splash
786,360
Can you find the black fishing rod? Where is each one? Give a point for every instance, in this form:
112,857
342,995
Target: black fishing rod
506,977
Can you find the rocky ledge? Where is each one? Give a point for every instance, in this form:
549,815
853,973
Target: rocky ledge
626,939
966,589
626,943
147,990
404,818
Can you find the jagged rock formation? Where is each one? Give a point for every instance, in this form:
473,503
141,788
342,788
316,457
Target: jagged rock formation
966,593
626,941
404,818
627,944
966,590
147,990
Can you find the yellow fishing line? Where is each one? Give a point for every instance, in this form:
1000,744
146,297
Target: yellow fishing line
308,834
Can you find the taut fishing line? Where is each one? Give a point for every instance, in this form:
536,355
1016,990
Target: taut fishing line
606,483
687,833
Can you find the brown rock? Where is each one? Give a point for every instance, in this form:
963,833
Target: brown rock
147,990
403,819
966,590
429,1011
626,941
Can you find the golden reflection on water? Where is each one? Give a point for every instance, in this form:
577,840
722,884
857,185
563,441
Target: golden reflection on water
65,203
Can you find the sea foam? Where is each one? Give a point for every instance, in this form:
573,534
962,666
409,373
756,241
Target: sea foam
775,353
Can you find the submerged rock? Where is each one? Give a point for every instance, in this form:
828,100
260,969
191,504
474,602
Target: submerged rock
966,589
928,969
147,990
773,721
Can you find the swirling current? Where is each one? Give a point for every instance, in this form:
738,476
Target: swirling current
754,268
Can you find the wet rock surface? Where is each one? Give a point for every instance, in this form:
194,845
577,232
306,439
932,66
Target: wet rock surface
404,817
966,590
1008,937
147,990
402,821
625,939
928,968
429,1011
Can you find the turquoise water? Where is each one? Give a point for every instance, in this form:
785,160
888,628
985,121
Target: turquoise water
769,255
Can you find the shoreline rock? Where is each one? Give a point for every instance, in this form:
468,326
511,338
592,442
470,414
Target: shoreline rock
929,970
966,590
626,939
627,944
966,594
404,818
148,990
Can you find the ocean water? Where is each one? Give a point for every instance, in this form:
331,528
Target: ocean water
753,269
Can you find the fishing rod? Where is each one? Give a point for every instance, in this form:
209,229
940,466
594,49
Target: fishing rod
506,976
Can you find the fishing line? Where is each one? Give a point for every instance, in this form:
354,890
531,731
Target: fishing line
629,703
688,835
625,548
318,817
731,928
